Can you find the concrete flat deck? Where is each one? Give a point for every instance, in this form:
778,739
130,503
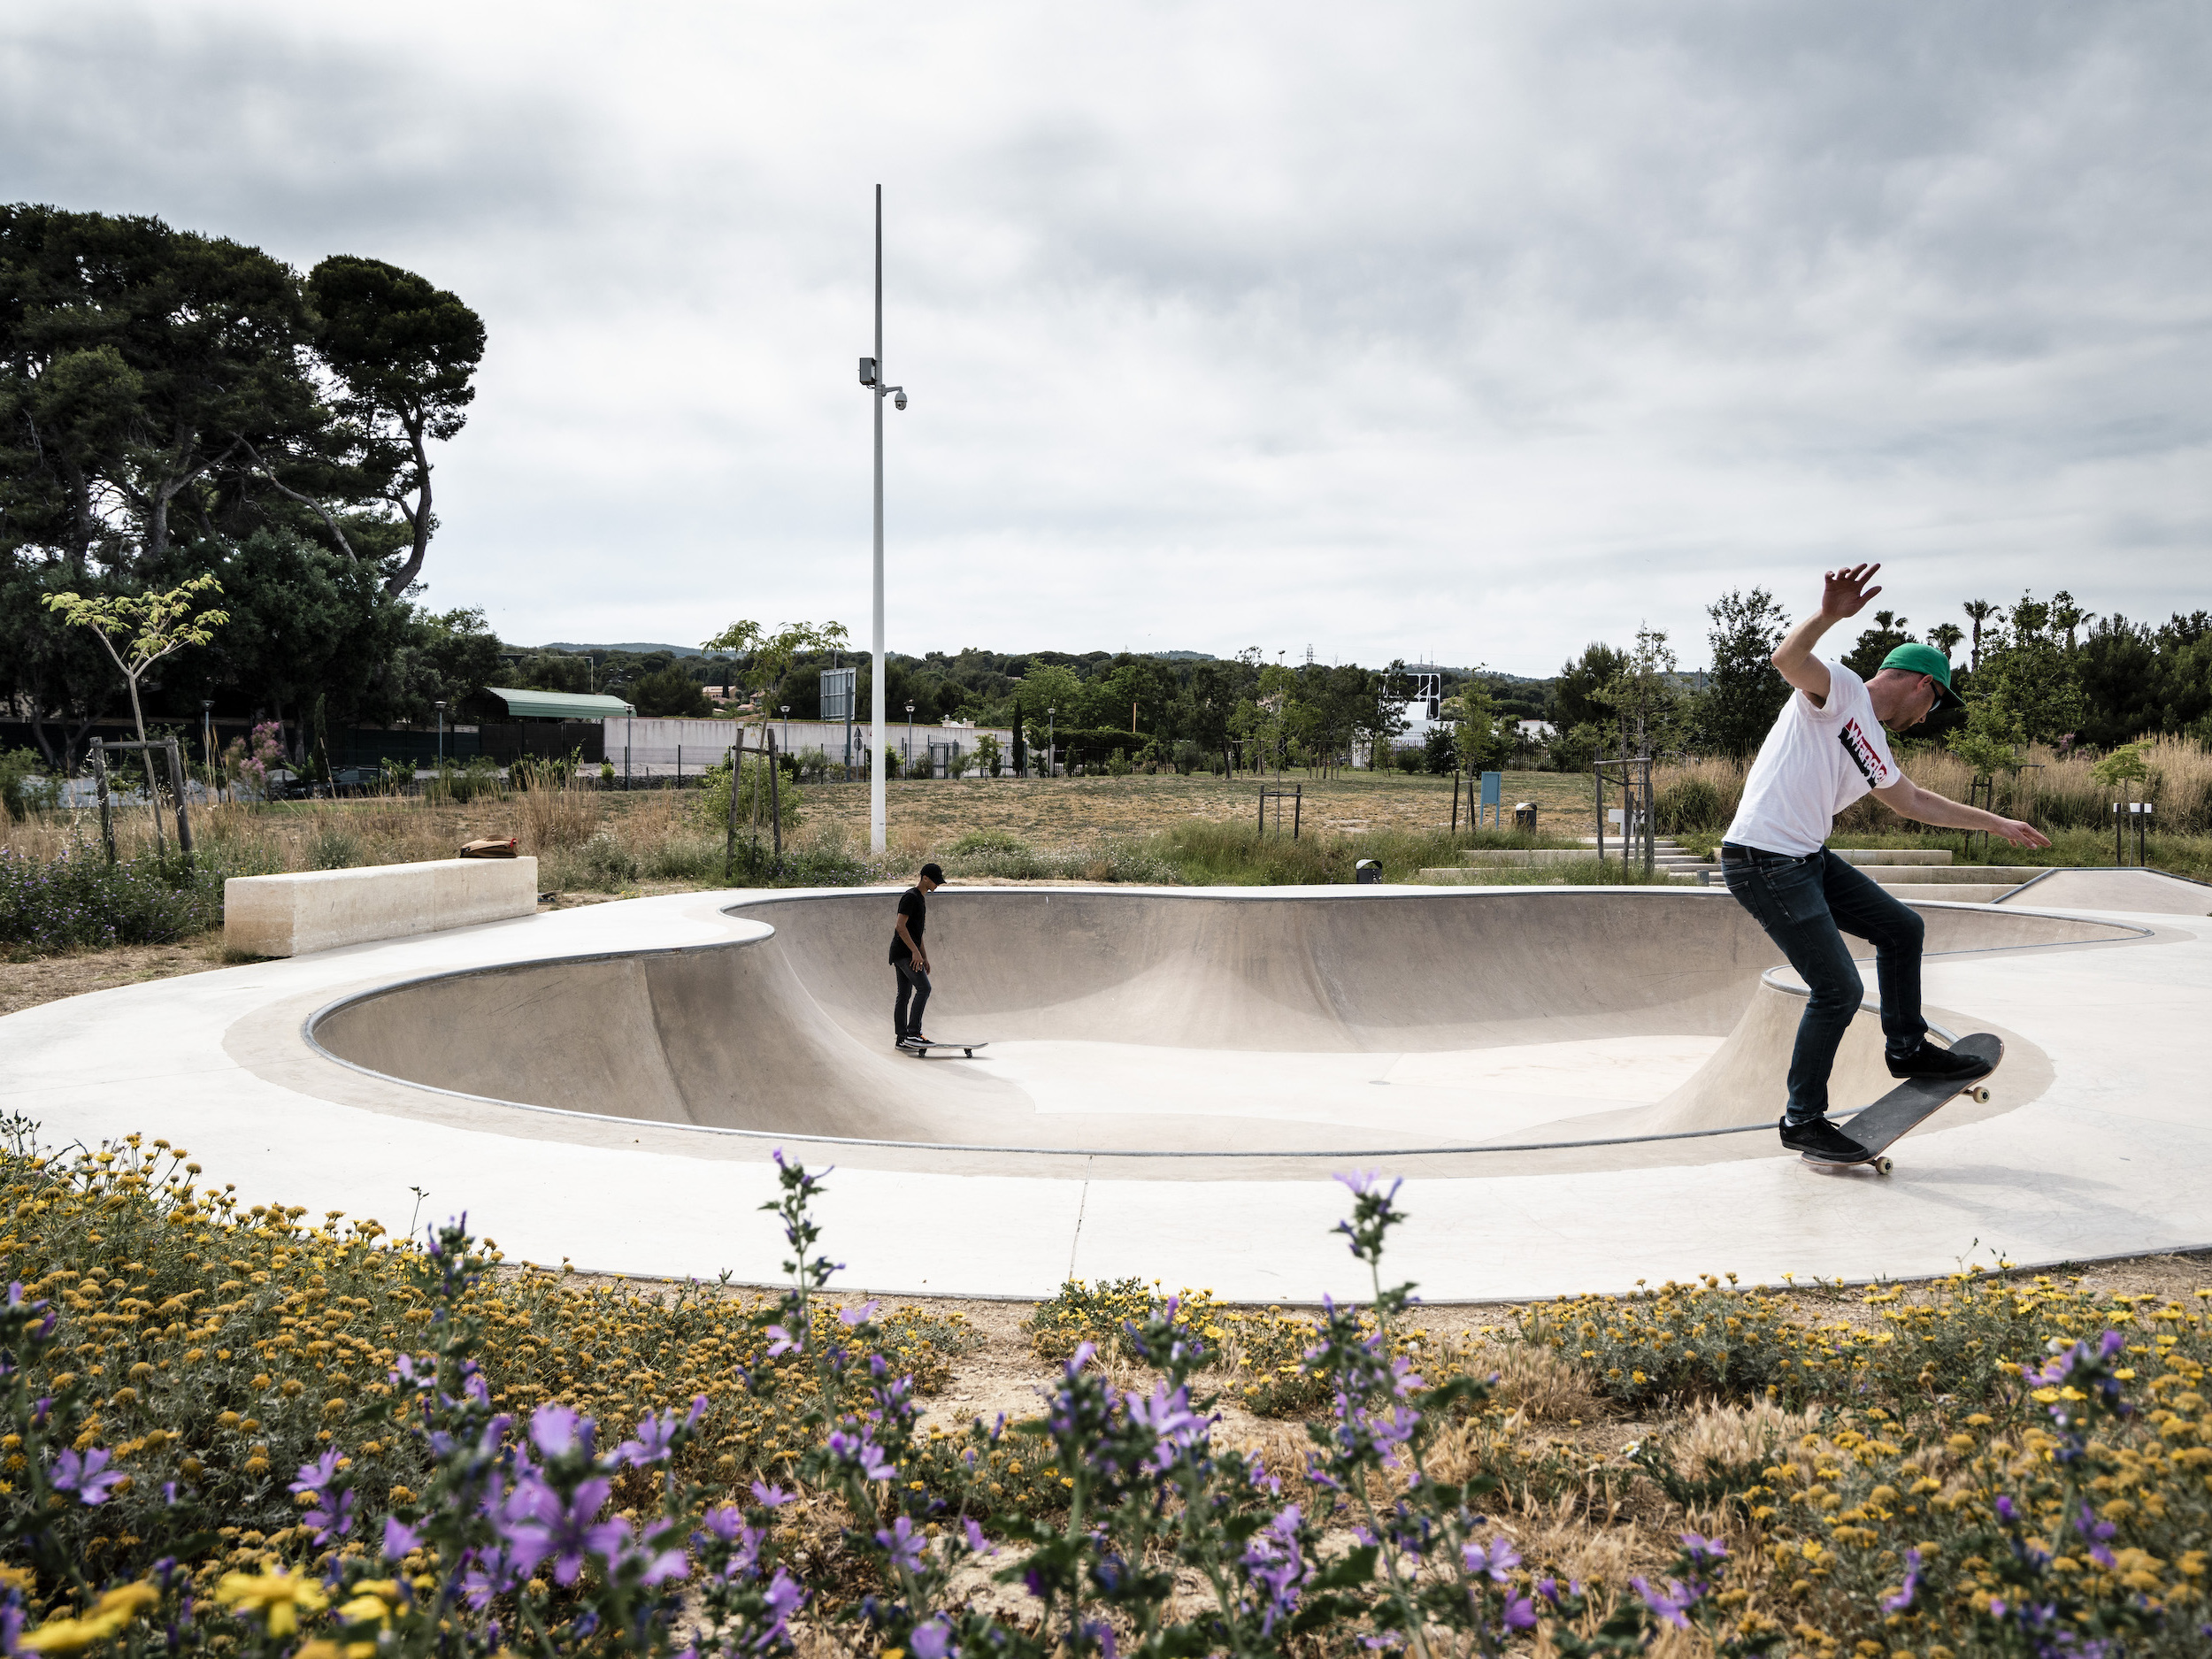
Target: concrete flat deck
1174,1075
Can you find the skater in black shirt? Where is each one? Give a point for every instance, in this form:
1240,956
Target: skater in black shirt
910,957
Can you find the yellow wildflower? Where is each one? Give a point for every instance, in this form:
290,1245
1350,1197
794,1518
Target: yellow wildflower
109,1615
278,1597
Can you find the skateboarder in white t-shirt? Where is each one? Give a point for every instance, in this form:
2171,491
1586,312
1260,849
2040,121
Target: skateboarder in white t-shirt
1826,751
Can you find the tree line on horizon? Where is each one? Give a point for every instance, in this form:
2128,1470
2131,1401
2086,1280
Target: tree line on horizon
176,407
183,412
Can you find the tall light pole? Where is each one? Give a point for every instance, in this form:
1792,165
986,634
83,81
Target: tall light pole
1051,764
872,377
907,771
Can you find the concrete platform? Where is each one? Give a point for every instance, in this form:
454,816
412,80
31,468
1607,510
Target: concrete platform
307,910
1579,1084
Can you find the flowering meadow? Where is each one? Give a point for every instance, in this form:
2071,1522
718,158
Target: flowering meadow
233,1431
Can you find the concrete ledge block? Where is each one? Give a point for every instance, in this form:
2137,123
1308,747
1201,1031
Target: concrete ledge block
321,909
1892,855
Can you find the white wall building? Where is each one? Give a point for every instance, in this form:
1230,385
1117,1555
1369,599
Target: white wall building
668,749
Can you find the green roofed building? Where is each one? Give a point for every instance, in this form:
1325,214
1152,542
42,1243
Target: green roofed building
554,705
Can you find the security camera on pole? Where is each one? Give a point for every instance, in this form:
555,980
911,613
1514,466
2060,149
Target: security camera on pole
872,377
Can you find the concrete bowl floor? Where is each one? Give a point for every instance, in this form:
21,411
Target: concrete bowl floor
1578,1084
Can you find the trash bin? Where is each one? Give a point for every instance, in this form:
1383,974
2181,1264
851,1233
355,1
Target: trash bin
1367,870
1524,816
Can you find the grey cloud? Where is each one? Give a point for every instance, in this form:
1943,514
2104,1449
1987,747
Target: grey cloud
1526,320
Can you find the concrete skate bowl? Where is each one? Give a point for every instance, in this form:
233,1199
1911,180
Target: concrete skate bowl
1244,1033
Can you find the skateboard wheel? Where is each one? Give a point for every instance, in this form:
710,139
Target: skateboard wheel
1980,1096
969,1052
1883,1166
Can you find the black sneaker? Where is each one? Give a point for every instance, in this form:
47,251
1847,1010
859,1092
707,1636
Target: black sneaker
1817,1138
1940,1064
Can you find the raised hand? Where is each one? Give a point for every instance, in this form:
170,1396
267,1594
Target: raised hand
1845,593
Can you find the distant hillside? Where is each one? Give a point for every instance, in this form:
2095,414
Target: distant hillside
633,647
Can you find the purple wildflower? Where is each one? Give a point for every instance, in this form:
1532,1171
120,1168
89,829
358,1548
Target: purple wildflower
931,1640
903,1545
557,1431
863,1453
539,1526
84,1474
1904,1598
783,1598
1704,1552
399,1539
770,1497
1670,1604
1498,1561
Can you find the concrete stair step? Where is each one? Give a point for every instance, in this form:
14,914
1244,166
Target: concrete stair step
1893,855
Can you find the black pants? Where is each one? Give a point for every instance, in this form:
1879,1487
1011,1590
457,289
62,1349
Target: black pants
1806,906
913,984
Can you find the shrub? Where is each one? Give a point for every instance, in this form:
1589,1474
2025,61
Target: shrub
79,900
333,846
24,788
757,799
1689,803
987,841
400,1446
479,779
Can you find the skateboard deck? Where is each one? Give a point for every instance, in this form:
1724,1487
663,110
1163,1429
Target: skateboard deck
1912,1103
922,1050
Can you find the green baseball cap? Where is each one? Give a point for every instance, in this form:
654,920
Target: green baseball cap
1925,659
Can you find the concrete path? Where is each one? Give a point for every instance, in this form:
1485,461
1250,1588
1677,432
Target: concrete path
1174,1075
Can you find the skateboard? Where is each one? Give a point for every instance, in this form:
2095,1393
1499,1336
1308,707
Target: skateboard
1912,1103
921,1050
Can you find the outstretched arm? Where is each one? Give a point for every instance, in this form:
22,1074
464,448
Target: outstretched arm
1907,799
1843,594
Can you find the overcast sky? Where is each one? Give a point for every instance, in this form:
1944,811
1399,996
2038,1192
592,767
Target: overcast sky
1462,331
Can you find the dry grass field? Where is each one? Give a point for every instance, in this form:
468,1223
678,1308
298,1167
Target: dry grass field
1066,811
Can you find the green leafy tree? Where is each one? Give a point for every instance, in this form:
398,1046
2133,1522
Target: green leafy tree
1049,686
1745,692
670,693
764,656
1945,636
1573,748
1864,658
1574,693
405,354
138,630
141,370
305,622
2067,617
2026,690
1648,702
1482,738
1978,611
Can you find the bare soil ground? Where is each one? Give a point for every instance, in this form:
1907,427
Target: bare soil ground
49,979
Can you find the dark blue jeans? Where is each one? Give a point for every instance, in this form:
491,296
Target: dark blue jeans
1807,905
913,983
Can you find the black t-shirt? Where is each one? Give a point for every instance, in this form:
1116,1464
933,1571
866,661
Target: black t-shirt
915,908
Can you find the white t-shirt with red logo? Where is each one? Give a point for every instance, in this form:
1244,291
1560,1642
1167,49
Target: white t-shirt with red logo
1817,761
